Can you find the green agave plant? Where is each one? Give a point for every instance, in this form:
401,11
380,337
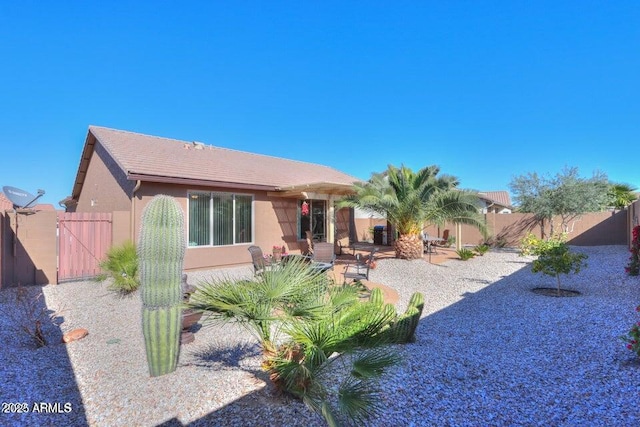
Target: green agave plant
481,249
121,264
465,254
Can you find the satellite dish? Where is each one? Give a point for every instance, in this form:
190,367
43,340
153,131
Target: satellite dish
21,198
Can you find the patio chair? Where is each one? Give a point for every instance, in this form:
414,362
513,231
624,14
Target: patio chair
360,270
309,239
324,252
260,264
443,240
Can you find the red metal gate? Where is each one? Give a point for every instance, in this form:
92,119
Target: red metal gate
83,241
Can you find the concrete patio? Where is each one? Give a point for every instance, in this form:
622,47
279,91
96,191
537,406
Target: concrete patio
384,252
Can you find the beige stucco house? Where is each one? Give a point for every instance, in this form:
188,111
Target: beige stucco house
495,202
231,199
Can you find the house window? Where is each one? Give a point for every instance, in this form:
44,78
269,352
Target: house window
312,217
218,219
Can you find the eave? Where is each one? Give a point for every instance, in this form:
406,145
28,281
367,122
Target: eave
87,152
197,182
302,190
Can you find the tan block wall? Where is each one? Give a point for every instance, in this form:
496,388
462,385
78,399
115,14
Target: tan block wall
364,227
592,229
32,261
275,224
602,228
2,268
633,219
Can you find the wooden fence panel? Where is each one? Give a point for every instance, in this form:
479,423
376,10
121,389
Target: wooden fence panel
83,241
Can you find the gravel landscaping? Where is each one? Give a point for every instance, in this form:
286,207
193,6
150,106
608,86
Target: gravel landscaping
489,352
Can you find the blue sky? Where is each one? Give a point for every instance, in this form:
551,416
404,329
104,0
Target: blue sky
487,90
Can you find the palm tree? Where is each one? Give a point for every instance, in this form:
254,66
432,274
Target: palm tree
409,200
309,327
621,195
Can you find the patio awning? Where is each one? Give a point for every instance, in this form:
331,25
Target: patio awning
301,190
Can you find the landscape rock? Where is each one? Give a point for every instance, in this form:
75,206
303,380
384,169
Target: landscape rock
74,335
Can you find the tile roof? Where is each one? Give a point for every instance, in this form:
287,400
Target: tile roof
499,197
144,155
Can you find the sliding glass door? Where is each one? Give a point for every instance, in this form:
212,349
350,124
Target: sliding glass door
312,216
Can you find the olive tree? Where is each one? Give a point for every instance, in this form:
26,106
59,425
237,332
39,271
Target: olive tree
566,195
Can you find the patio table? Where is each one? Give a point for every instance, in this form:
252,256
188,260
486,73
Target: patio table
321,266
314,265
429,242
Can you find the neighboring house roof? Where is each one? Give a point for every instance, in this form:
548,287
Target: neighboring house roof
497,197
151,158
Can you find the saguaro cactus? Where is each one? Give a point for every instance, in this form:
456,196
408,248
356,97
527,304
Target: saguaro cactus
376,297
403,331
160,252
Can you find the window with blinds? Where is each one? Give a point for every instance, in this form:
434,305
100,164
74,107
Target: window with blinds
218,219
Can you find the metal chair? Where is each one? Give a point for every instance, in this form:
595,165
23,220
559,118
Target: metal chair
360,270
444,239
260,264
324,252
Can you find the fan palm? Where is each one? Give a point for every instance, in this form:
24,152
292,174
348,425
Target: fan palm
294,290
306,324
621,195
410,199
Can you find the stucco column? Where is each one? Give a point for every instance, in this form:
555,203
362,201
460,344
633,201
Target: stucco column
331,230
458,236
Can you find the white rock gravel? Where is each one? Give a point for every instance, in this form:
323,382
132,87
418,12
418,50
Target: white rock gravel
489,352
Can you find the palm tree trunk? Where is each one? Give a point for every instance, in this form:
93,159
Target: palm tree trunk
409,246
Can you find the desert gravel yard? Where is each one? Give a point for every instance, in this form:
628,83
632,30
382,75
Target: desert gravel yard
489,352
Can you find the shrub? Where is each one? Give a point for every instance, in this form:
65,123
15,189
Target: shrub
633,337
496,241
532,245
31,315
465,254
451,240
481,249
633,268
121,264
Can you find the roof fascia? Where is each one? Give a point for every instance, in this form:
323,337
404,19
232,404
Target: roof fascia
302,190
85,158
197,182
